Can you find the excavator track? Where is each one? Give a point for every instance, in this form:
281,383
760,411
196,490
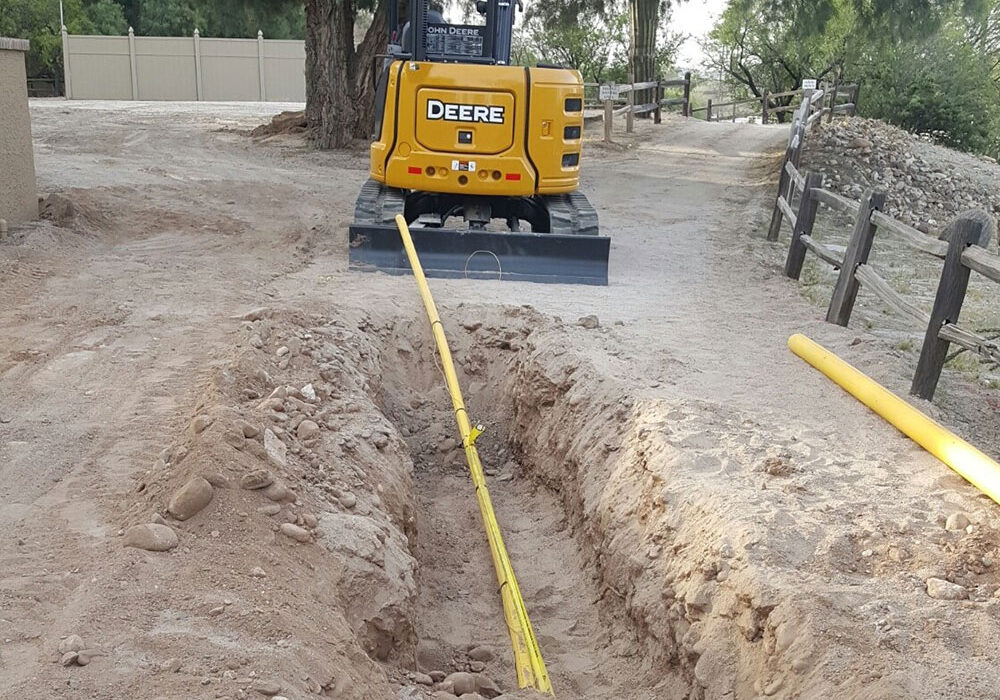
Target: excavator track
572,251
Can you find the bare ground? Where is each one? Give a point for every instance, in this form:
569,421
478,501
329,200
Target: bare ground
692,512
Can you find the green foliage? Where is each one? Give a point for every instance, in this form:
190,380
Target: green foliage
38,21
942,86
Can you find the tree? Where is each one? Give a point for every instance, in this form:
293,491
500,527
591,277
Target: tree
339,90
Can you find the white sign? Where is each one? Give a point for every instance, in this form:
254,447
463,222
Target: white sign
809,84
608,92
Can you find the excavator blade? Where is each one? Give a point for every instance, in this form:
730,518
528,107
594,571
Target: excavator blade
529,257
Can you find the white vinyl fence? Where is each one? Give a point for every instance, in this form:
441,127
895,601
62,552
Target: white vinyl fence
183,69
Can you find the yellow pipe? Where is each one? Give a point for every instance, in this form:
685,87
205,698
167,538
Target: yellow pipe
528,661
975,467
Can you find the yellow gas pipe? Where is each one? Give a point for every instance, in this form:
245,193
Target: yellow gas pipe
528,661
974,466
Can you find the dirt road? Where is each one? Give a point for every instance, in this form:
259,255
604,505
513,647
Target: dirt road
692,512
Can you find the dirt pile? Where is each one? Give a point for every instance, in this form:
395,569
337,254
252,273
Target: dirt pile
283,123
927,184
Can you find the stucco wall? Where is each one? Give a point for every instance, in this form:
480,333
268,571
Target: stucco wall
18,195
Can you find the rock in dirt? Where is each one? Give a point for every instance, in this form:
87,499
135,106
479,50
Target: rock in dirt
73,642
275,448
299,534
268,688
249,429
258,572
257,479
308,392
270,509
460,683
191,498
447,445
87,655
69,658
941,589
589,322
200,423
307,430
422,679
151,537
256,314
276,492
957,521
348,499
481,652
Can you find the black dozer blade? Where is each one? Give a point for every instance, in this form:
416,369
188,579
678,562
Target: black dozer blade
530,257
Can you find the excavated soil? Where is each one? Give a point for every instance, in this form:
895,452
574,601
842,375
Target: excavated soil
691,511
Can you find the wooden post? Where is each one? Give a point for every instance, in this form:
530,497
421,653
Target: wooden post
708,111
857,94
833,103
763,109
658,94
687,94
846,290
803,225
783,178
131,63
630,101
609,114
971,228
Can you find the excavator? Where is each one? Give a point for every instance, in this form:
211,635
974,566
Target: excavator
481,158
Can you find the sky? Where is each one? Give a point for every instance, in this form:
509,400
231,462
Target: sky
695,17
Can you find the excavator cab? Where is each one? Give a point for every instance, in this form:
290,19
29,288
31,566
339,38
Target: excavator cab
482,158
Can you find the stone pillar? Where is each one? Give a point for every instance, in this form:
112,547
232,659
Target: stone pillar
18,194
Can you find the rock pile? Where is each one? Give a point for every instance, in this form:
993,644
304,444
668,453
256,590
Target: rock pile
926,184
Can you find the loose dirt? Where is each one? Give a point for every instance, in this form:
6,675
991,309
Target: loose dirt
691,511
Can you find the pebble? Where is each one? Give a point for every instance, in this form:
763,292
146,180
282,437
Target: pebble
191,498
477,666
249,429
957,521
73,642
438,676
270,509
276,491
310,520
255,314
87,655
199,424
258,572
276,450
447,445
348,499
589,322
422,679
299,534
282,351
257,479
151,537
307,430
461,683
69,658
941,589
308,392
269,688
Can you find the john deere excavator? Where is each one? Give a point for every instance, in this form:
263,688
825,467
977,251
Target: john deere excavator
482,158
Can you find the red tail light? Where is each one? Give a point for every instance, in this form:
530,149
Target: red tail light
514,176
413,170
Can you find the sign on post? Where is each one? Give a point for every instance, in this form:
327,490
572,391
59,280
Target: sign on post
809,84
608,92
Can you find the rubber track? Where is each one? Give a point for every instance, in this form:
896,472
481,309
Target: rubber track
378,204
572,214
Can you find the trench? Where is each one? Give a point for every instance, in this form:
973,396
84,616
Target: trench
590,647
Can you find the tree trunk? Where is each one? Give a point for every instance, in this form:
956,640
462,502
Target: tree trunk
332,108
644,21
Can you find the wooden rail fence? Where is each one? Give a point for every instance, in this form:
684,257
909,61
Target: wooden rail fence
611,95
836,99
962,248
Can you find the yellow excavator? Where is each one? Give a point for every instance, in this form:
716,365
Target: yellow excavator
480,157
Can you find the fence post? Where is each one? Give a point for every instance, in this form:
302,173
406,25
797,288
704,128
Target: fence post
857,95
763,109
609,114
197,64
846,290
783,178
131,63
658,94
630,102
833,102
708,111
803,225
67,79
970,228
260,64
687,94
